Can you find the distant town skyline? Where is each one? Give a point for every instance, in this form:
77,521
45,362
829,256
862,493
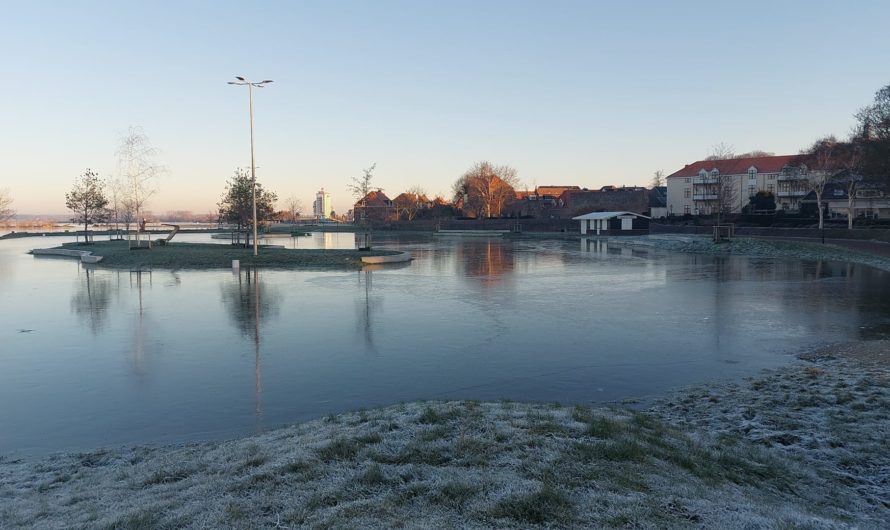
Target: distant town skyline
568,93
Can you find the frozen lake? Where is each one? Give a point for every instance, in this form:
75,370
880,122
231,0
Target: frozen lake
93,357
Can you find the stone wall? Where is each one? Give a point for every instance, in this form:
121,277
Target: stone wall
866,234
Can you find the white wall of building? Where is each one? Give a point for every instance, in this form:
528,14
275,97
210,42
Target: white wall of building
321,207
696,195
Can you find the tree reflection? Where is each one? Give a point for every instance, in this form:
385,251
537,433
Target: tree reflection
366,306
90,299
140,335
489,260
250,302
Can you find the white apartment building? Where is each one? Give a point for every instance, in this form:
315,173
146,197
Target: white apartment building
693,189
321,207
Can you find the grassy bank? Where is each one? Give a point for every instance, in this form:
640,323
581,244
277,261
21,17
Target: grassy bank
116,254
800,447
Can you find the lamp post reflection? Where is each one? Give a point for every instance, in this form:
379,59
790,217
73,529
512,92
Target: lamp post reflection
250,302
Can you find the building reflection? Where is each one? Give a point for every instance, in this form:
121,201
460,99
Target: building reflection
790,295
594,245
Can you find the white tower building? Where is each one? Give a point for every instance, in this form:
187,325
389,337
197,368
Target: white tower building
321,208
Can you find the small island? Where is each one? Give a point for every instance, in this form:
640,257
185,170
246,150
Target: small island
118,255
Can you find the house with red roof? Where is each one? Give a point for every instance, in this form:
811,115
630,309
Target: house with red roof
375,206
694,189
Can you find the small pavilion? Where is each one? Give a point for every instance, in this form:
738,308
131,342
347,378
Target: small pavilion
613,223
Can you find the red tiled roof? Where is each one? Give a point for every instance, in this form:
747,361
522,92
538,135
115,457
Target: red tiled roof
554,191
739,166
374,198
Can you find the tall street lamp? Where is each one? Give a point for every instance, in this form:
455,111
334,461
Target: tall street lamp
250,85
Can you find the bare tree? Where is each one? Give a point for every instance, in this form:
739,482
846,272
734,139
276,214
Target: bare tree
720,151
360,187
6,211
87,201
294,207
726,194
822,163
117,202
411,202
658,178
852,160
757,153
872,135
485,188
138,170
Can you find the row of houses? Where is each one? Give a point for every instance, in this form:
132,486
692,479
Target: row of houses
544,202
700,188
703,187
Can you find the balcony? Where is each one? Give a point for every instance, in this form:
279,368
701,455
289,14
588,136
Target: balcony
705,197
793,177
792,193
705,180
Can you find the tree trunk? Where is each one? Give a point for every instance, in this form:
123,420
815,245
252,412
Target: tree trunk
819,206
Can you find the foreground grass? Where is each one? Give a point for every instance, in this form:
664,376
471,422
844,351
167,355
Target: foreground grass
116,254
801,447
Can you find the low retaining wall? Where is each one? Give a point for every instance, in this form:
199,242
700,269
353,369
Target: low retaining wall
83,255
864,234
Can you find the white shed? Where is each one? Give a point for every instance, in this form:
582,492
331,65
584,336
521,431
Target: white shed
602,222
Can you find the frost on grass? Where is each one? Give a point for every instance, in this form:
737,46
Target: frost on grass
799,447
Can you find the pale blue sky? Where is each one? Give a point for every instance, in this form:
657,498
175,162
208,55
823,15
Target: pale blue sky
587,93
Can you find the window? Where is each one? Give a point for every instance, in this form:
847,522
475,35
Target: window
771,188
751,191
772,177
752,173
686,209
702,173
714,172
687,180
687,193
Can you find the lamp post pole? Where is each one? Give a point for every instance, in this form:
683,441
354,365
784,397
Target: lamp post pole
250,85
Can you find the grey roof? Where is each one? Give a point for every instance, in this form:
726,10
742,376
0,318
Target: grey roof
606,215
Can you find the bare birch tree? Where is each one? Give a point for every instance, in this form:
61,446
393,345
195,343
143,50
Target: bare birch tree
138,170
6,211
822,163
360,187
852,162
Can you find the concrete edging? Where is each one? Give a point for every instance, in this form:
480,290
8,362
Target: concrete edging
85,256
